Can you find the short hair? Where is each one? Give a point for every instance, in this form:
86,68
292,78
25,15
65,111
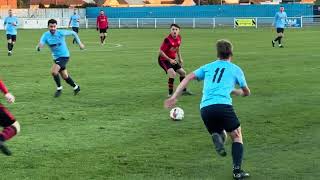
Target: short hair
175,25
224,49
101,10
52,21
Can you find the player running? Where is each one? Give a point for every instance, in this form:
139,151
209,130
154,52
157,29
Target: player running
102,25
55,39
11,24
170,58
74,23
11,127
220,78
280,21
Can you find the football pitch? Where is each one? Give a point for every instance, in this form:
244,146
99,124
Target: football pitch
117,128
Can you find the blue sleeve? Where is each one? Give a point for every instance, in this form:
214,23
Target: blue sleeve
199,73
5,21
43,39
71,33
241,80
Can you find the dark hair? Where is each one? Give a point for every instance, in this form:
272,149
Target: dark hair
224,49
101,10
52,21
175,25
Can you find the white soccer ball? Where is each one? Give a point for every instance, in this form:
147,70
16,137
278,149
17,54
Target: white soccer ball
177,114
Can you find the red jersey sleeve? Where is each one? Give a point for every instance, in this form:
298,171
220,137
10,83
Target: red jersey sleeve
165,45
3,87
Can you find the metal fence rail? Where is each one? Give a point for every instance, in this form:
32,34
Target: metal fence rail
208,23
155,23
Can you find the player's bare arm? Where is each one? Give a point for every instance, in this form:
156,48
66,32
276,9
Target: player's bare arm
39,46
179,56
9,97
173,99
245,91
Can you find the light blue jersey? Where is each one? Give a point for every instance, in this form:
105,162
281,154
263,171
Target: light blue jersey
75,20
280,19
220,78
57,42
11,24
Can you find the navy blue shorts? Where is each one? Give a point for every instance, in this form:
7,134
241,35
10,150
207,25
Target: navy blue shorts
103,30
12,37
75,29
280,30
62,62
219,117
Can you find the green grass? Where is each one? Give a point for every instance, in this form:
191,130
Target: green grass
117,127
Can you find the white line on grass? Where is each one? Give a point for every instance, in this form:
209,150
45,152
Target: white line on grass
106,48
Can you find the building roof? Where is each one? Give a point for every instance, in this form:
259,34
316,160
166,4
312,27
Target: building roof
60,2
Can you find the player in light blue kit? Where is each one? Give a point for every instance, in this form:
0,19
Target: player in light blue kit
280,20
11,24
74,23
55,39
220,79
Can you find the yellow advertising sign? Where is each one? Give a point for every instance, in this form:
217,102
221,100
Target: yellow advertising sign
245,22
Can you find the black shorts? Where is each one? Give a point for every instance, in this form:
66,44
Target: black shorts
280,30
103,30
75,29
6,118
167,65
62,62
219,117
12,37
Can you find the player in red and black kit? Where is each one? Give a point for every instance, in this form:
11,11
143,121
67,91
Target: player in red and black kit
168,59
102,25
11,127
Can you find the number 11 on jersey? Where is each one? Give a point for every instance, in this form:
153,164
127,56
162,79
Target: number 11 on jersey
220,75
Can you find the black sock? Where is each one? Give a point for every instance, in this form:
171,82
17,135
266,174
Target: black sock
101,39
2,138
170,85
70,82
104,37
276,39
181,79
10,46
279,40
57,80
237,153
74,40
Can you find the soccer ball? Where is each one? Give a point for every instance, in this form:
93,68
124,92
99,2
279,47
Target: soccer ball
177,114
